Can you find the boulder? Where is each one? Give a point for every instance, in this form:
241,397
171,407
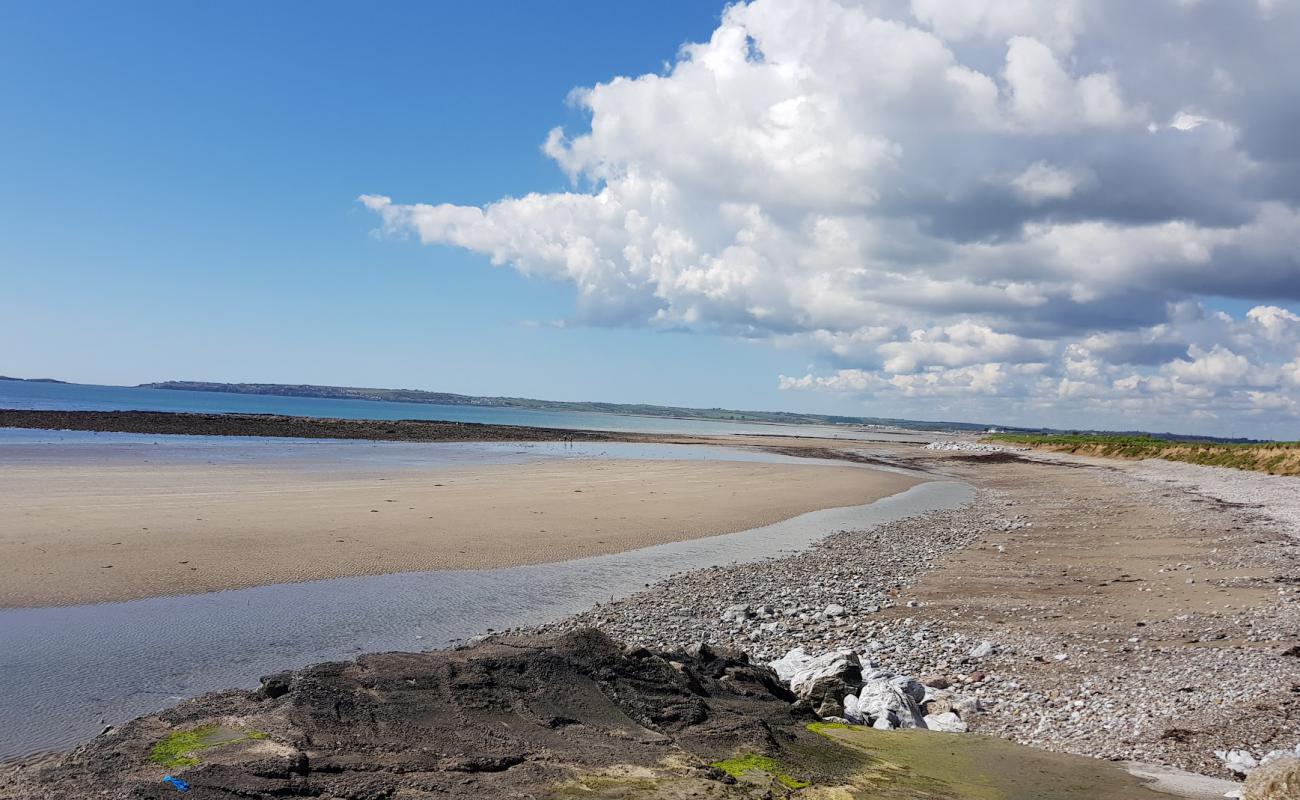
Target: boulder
910,687
888,700
787,665
1274,779
826,679
983,650
947,722
1239,761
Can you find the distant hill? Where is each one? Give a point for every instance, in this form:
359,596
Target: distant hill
638,409
30,380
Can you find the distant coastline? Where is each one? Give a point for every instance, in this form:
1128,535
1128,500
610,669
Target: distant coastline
31,380
625,409
189,424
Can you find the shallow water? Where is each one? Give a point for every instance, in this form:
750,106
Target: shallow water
67,671
25,447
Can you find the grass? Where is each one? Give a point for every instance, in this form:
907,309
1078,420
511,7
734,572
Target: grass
1274,458
180,749
741,766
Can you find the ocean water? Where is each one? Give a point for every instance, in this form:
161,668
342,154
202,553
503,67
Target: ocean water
88,397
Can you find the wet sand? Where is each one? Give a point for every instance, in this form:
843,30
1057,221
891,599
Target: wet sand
89,533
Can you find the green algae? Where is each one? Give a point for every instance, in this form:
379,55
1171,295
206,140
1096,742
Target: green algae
181,748
746,765
927,765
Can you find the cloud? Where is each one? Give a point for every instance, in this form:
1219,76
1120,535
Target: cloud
1041,182
1033,204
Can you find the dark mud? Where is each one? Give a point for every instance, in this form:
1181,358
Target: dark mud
403,430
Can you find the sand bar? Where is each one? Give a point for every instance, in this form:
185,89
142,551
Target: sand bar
89,533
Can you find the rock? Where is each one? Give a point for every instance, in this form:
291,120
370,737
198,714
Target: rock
826,679
938,703
851,709
1275,779
967,707
983,650
787,665
834,610
736,613
910,687
636,651
936,681
887,698
1239,761
274,686
947,722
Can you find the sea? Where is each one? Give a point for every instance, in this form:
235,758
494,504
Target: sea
90,397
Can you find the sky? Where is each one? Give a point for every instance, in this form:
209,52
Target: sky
1035,212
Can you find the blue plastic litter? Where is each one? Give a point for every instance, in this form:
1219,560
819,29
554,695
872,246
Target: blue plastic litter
181,786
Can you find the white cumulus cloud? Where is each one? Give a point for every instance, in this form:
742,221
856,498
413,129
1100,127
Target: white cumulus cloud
940,201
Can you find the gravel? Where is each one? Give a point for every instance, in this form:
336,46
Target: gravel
1276,497
1090,692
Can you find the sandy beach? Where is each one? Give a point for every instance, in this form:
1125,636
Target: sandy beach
89,533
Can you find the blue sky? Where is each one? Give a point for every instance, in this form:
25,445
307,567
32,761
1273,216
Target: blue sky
1074,215
180,185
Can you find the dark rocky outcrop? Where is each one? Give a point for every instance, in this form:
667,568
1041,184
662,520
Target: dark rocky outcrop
509,718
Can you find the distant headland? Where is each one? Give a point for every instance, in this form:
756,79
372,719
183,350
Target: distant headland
637,409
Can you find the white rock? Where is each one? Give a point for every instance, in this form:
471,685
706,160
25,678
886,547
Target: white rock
883,697
946,722
983,650
851,709
839,664
910,687
787,665
834,610
1238,761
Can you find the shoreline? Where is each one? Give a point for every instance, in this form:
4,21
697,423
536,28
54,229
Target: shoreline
1130,619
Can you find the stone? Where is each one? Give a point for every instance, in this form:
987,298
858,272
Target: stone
1239,761
938,703
787,665
736,613
274,686
887,698
947,722
825,680
834,610
1275,779
851,709
910,687
983,650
